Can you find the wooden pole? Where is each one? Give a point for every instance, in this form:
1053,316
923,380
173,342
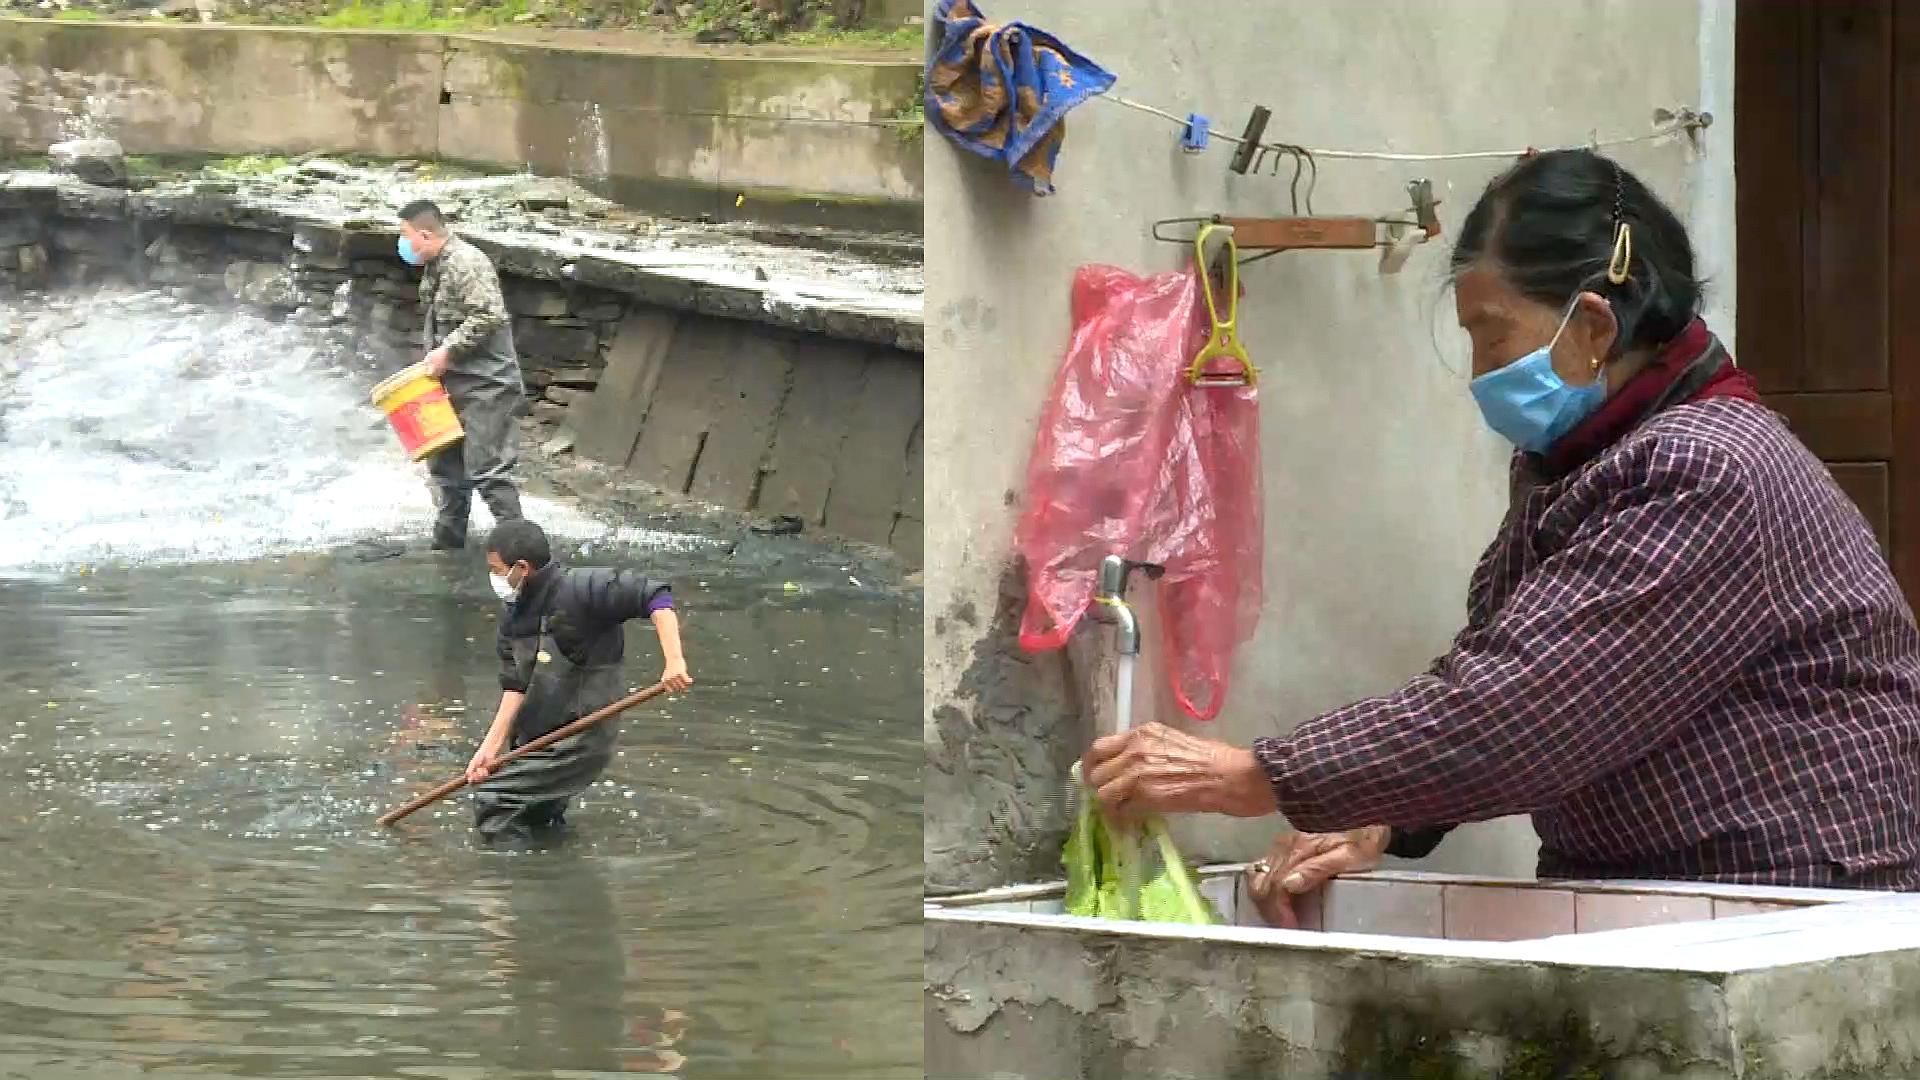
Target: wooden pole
540,743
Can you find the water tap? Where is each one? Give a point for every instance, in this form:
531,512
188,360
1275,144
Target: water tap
1110,603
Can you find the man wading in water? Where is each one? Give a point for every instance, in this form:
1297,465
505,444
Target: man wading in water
469,335
562,642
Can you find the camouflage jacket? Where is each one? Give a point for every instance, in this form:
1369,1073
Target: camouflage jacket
460,302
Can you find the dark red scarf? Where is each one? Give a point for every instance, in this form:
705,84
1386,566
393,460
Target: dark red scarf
1625,410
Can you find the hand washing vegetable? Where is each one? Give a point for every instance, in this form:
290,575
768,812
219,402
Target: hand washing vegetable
1106,871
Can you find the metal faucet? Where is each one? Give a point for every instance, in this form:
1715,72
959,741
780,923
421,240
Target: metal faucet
1110,603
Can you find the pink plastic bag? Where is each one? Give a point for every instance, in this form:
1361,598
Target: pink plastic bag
1131,460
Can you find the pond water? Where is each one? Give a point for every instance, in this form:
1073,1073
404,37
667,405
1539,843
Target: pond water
225,652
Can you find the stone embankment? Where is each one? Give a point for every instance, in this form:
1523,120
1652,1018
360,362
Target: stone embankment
779,380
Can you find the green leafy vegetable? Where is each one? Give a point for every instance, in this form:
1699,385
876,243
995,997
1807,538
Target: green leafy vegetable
1107,873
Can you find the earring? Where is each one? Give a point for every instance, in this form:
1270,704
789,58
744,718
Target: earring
1594,363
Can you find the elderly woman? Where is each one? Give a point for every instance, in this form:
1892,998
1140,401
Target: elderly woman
1684,654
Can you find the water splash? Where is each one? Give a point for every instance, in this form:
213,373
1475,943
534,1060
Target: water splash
589,153
96,118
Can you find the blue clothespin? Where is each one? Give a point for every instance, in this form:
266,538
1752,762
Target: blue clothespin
1194,139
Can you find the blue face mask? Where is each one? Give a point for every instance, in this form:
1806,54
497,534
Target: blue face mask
406,251
1530,404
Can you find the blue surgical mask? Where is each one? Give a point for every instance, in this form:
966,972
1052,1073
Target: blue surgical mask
406,251
1530,404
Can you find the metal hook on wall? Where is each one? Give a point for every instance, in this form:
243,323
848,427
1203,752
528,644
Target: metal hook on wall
1253,154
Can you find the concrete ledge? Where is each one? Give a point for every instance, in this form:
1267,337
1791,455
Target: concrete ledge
1828,986
675,278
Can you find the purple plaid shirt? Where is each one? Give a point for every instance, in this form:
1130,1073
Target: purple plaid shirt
1687,659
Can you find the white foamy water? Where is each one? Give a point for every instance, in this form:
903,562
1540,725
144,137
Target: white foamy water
134,428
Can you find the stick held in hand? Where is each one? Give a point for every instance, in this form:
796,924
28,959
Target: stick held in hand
540,743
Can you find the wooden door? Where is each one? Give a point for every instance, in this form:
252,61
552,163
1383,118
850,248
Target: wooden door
1823,271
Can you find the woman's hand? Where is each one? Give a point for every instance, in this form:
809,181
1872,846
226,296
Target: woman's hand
1299,863
1156,769
674,676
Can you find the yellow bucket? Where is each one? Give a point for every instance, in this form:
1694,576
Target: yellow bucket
420,412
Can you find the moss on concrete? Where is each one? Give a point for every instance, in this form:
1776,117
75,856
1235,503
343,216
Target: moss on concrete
913,118
796,23
248,165
425,15
863,92
800,24
1401,1039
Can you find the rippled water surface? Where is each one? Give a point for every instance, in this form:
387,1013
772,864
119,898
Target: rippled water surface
197,736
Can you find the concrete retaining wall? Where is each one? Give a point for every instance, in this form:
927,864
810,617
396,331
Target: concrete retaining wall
824,431
788,140
735,412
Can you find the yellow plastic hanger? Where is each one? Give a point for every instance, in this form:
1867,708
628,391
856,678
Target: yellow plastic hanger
1223,341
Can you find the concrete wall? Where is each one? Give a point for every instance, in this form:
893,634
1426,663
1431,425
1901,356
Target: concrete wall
780,424
1382,485
801,139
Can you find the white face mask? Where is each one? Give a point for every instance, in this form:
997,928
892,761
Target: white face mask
501,589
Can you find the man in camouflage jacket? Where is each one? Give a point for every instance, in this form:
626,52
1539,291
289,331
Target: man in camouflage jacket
468,336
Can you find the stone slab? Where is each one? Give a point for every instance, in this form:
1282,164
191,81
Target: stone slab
693,383
18,230
534,298
827,380
740,426
321,247
609,422
545,339
870,472
258,243
607,307
90,238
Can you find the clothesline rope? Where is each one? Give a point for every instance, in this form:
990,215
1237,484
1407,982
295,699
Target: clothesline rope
1679,123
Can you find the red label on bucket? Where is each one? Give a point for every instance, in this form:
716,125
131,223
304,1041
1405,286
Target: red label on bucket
422,419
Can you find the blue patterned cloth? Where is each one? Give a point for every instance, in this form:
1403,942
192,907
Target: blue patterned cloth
1003,91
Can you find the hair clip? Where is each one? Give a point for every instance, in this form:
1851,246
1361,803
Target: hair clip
1622,260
